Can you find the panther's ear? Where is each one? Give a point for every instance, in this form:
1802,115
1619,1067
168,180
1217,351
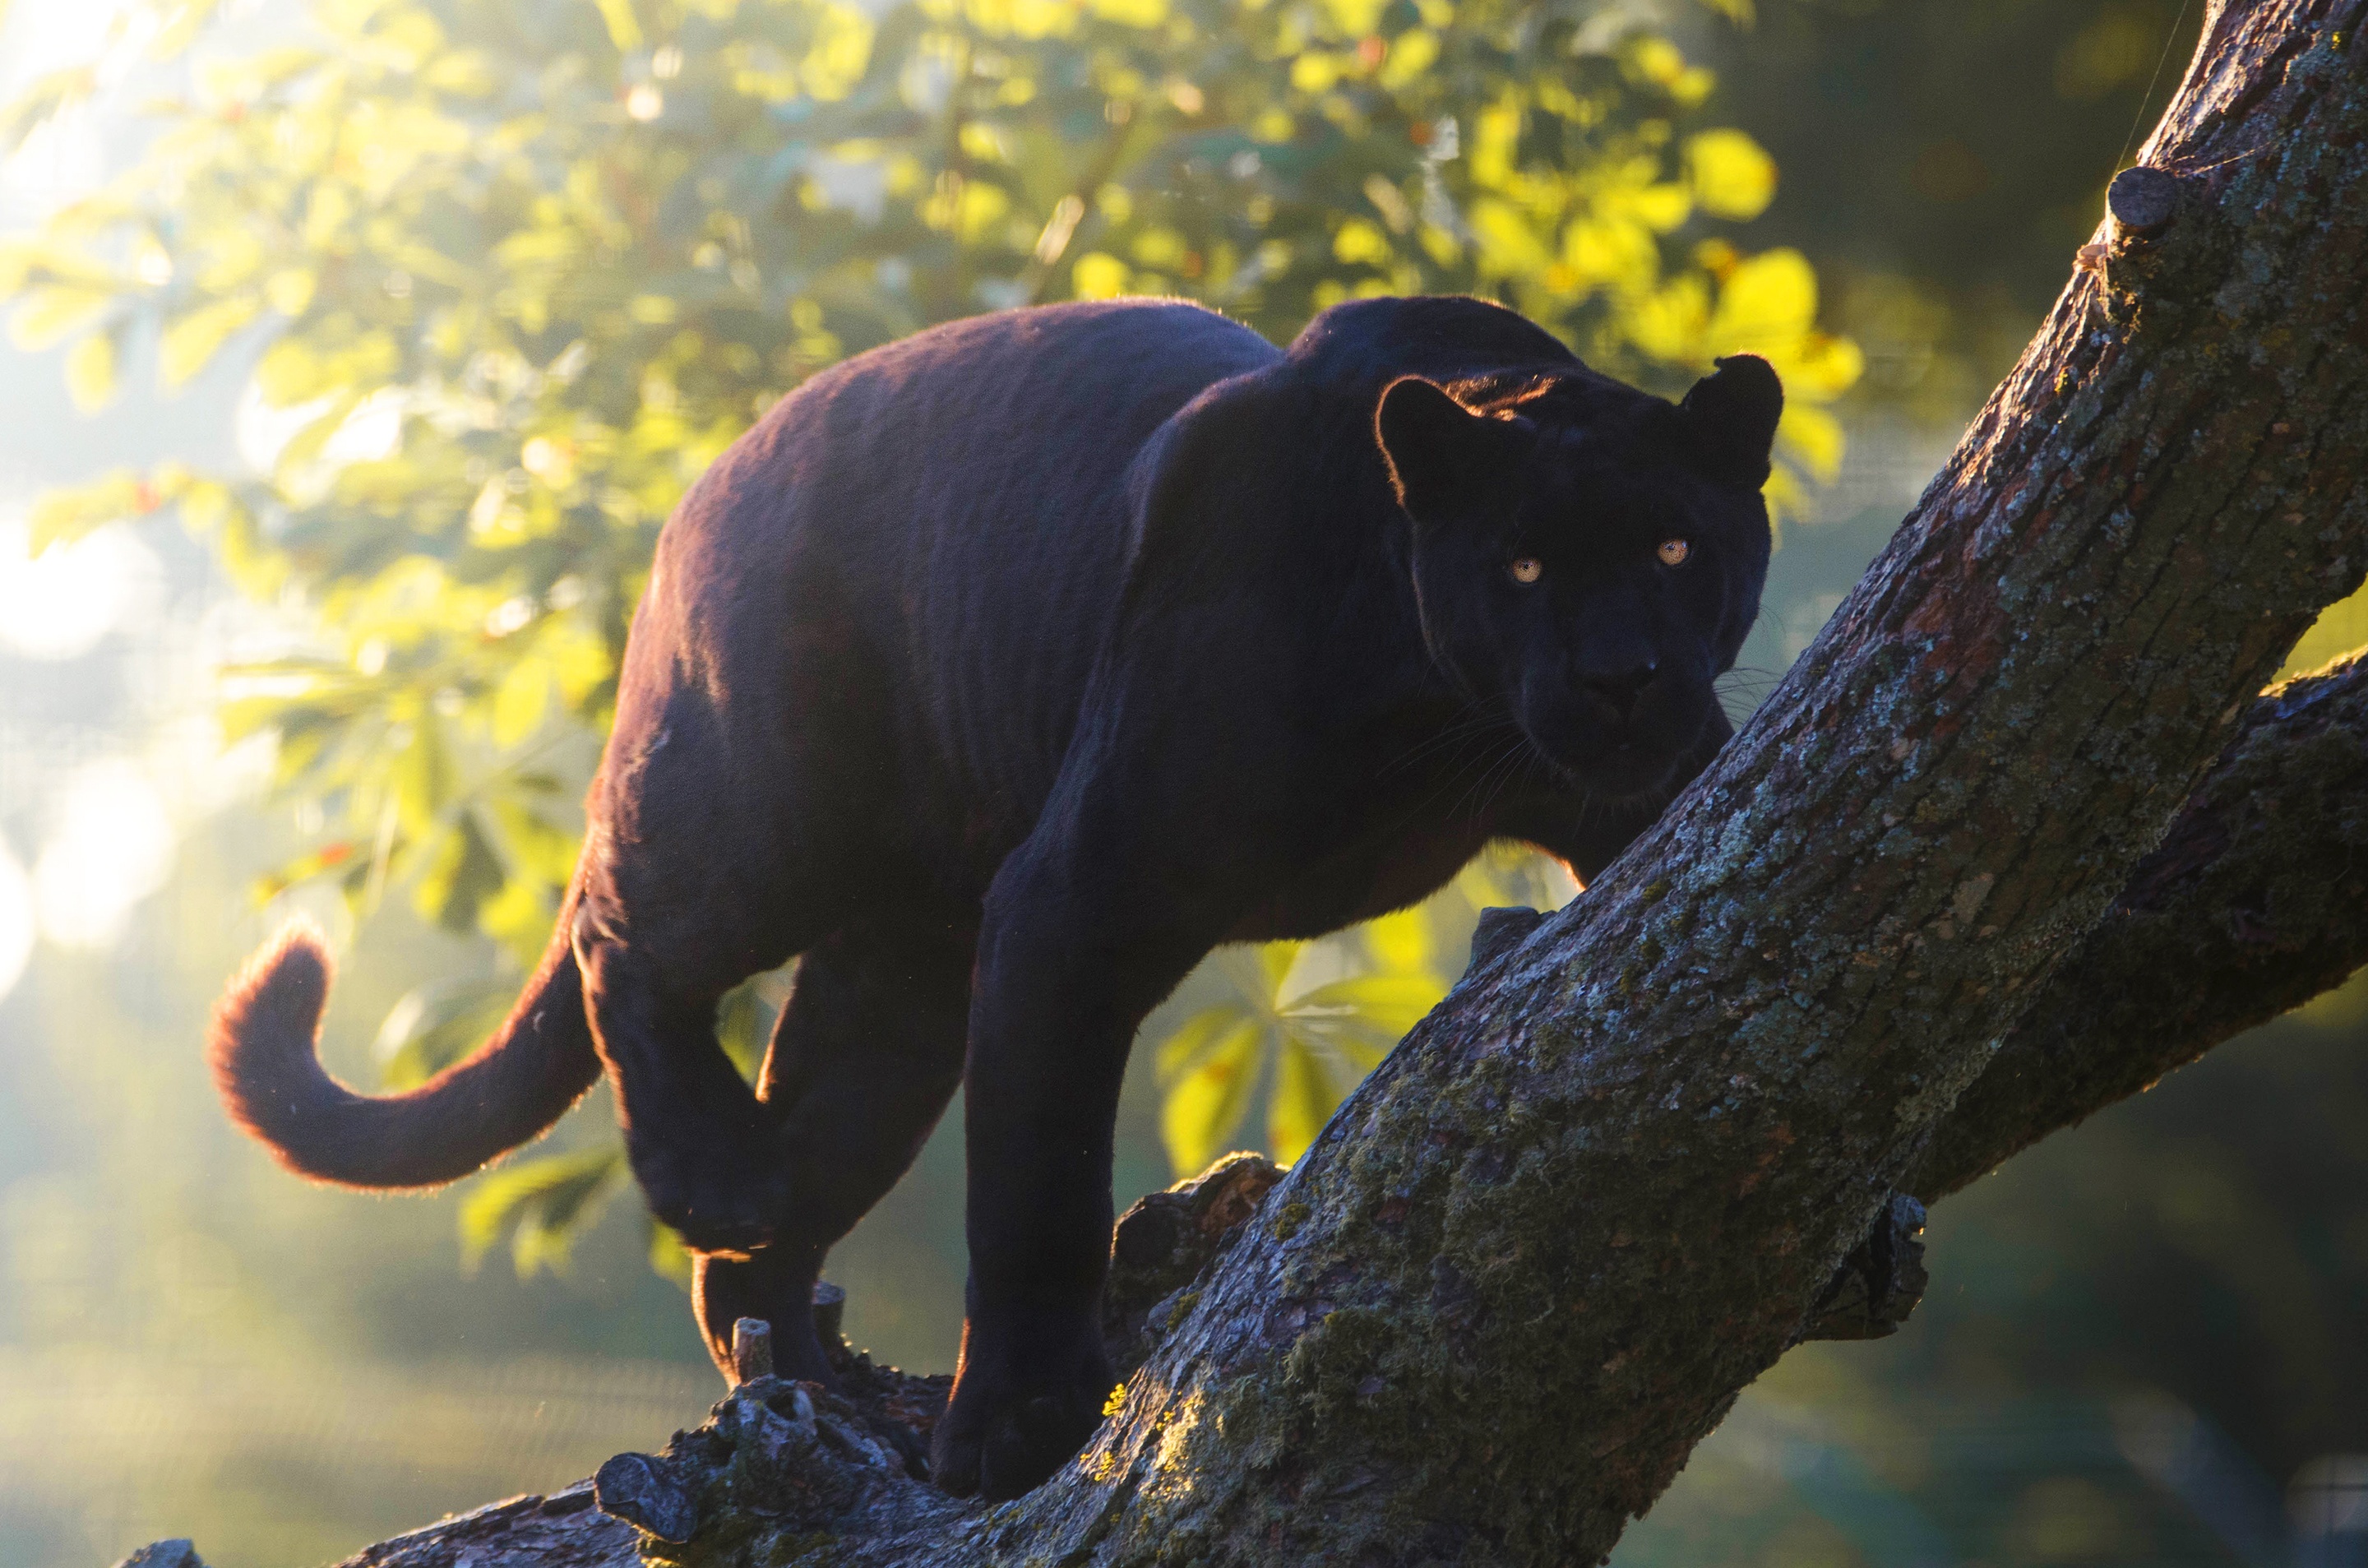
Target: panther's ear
1442,457
1730,419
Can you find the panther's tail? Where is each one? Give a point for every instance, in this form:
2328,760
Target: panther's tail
520,1082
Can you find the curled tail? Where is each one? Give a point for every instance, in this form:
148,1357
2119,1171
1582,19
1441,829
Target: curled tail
262,1046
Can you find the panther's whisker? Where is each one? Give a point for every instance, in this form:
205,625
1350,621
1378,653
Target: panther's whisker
1475,724
1513,748
1464,769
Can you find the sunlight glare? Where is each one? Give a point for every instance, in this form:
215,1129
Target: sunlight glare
58,604
65,157
371,432
111,847
15,920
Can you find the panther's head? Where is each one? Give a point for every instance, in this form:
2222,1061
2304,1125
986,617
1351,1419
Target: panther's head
1588,558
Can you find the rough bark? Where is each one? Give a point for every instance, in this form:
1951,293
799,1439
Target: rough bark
1537,1257
2254,901
532,1531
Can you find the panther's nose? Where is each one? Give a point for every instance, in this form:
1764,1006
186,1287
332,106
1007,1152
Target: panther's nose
1619,688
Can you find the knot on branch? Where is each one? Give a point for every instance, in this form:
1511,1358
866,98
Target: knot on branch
2141,264
1879,1283
650,1493
1500,932
2143,200
1161,1244
782,1459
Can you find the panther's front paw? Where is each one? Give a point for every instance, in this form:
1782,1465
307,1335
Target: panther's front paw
1012,1421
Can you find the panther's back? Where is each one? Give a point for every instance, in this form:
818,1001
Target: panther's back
939,527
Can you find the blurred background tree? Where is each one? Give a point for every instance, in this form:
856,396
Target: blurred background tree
479,286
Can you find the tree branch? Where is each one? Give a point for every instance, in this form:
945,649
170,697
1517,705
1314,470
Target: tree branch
2256,901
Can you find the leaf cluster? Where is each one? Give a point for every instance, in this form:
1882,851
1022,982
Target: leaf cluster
1300,1024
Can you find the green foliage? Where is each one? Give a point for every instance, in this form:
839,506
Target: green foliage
437,1025
1303,1022
541,1204
511,275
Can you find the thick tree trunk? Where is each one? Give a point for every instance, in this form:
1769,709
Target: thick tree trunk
1537,1257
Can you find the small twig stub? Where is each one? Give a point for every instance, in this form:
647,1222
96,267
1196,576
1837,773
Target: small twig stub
2143,200
752,1350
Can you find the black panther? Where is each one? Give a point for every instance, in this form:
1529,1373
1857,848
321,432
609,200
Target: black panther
1002,673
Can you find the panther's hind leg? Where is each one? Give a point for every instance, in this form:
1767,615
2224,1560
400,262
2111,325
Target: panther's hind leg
863,1061
722,839
702,1147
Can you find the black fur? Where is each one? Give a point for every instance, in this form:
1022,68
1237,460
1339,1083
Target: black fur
1004,672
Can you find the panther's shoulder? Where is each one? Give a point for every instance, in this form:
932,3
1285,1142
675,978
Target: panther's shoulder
1443,337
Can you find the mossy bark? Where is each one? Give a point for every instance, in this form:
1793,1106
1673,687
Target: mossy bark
2254,903
1537,1257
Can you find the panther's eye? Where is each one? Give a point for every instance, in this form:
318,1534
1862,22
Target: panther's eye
1527,569
1673,551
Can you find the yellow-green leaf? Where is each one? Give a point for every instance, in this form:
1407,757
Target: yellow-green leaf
521,701
532,844
1732,176
1389,1004
742,1027
61,516
668,1257
289,289
1767,303
1277,960
49,316
1302,1100
90,370
1813,438
624,28
1820,368
462,878
1204,1110
1404,940
191,339
2340,628
1098,275
436,1024
1193,1038
422,778
544,1203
